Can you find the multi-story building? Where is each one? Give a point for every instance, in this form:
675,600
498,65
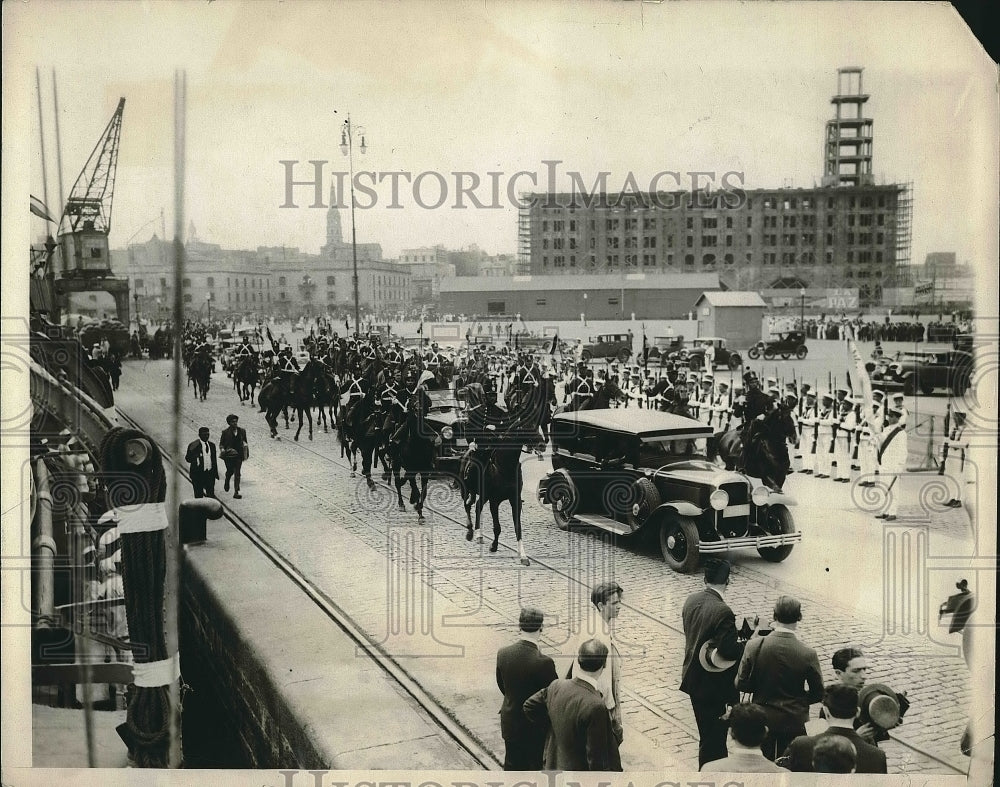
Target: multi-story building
428,266
848,233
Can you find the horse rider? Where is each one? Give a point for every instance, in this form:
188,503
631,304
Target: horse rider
753,408
354,391
418,404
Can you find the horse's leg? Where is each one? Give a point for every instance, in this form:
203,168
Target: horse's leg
398,481
468,498
367,449
495,513
284,411
299,430
352,452
424,480
480,502
515,507
309,415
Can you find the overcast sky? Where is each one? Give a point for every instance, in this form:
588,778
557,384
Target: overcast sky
497,87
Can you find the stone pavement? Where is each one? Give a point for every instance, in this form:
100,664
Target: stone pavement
425,587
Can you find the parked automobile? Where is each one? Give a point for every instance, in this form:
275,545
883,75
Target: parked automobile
608,345
446,417
784,344
724,357
662,347
925,372
638,473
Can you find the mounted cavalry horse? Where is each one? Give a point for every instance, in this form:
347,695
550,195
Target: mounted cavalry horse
309,388
412,448
200,373
491,472
358,424
765,453
246,376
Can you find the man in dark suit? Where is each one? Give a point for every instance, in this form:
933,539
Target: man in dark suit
747,730
580,736
711,652
233,443
784,677
202,458
841,704
522,671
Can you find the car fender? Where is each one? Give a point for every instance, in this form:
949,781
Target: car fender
780,498
682,507
546,481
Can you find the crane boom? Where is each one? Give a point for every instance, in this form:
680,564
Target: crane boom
90,201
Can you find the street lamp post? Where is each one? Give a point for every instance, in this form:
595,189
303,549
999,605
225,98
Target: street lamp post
802,310
208,300
585,310
347,148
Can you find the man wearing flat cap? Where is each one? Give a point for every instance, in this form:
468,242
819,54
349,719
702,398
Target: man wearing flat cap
233,444
521,672
711,652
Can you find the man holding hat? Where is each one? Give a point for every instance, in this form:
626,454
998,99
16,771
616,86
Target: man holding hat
711,652
235,450
204,467
522,671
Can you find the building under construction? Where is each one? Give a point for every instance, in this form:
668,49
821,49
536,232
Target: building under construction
847,232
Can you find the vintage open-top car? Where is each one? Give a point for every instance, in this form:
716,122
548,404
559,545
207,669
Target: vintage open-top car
694,356
643,473
446,417
784,344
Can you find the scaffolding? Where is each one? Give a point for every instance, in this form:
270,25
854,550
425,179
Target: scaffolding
848,149
904,223
524,237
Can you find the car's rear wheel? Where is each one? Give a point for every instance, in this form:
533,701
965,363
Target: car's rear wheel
585,355
779,522
735,362
563,495
801,352
623,356
645,500
696,363
754,353
768,354
679,542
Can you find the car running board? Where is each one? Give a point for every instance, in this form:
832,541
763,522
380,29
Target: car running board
603,522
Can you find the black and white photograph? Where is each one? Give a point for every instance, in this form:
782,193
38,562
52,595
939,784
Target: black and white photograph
480,393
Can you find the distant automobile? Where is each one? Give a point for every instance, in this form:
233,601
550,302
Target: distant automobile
724,357
925,372
662,347
784,344
608,345
637,472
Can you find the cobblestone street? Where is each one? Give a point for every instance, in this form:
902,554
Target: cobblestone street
427,593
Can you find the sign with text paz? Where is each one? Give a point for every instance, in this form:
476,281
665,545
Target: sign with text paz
841,299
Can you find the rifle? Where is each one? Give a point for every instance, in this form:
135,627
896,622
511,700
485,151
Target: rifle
857,437
816,426
729,411
944,452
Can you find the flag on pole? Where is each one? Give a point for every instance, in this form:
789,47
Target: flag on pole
645,349
420,330
39,209
555,344
270,338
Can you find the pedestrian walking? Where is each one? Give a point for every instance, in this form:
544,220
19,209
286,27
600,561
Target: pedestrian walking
747,730
235,451
580,736
784,677
711,652
201,456
522,671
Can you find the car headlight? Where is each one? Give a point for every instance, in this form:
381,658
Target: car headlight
760,496
447,433
719,499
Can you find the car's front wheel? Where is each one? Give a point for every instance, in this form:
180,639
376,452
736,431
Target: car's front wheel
735,362
801,352
623,356
679,542
562,493
585,355
768,354
779,522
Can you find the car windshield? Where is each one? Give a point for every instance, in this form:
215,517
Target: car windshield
668,450
443,402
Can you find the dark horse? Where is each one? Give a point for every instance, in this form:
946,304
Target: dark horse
309,388
492,473
358,428
200,373
765,456
413,456
246,376
273,398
